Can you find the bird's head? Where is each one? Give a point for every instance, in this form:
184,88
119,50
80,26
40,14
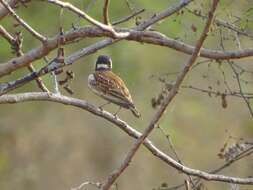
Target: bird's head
103,62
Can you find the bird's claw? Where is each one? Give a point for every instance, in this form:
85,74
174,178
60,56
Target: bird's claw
115,116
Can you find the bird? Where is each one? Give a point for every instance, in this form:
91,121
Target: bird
106,84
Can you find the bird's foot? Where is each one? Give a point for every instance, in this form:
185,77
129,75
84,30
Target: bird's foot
115,116
103,105
100,108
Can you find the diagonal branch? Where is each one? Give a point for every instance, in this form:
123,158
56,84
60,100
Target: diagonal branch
22,22
52,43
222,23
128,17
84,105
82,14
17,47
237,76
154,38
4,11
115,174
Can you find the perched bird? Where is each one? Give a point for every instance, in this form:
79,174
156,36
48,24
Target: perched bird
109,86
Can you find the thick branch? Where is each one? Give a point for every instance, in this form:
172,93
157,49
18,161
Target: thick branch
56,98
8,86
4,11
139,36
146,37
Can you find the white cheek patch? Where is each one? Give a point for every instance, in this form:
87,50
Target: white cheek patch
102,66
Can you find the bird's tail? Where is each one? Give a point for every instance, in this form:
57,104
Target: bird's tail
135,112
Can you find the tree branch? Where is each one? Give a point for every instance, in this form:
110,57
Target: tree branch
222,23
4,11
82,14
106,12
17,47
84,105
115,174
128,17
155,38
22,22
13,64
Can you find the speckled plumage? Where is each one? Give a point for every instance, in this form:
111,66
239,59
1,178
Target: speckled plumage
111,87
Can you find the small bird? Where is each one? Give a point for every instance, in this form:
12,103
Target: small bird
109,86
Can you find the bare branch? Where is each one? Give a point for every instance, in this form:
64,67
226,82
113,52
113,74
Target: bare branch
22,22
52,66
57,98
243,154
15,45
106,12
217,93
162,15
6,35
128,17
240,88
4,11
82,14
222,23
115,174
95,184
140,36
39,81
40,52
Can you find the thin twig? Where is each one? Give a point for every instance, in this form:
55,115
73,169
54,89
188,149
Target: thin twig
237,39
6,35
170,144
187,185
175,153
95,184
128,17
38,80
82,14
222,23
217,93
13,42
238,157
22,22
106,12
230,63
240,88
241,155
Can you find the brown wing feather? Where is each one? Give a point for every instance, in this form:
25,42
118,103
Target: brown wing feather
110,83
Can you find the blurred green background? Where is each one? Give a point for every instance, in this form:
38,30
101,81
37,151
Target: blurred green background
50,146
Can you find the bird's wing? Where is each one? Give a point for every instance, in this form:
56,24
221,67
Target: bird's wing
111,84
